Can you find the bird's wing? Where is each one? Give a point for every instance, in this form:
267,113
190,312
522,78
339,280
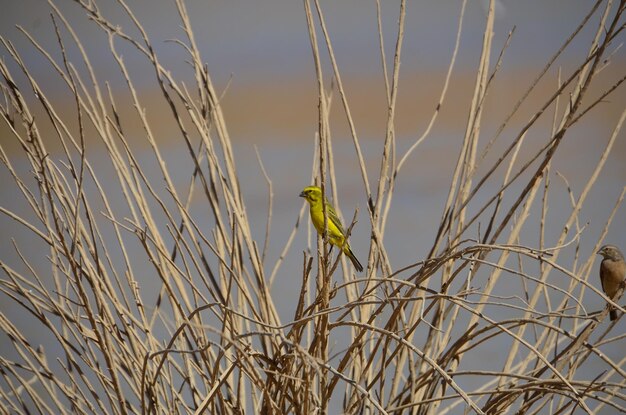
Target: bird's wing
332,216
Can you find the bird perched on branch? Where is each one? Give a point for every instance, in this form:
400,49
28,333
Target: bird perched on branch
612,272
336,234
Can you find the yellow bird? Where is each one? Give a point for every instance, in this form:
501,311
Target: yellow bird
336,234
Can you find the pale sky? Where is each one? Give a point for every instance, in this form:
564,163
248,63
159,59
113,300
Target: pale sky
249,39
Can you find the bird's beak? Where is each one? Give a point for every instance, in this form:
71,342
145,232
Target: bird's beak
302,194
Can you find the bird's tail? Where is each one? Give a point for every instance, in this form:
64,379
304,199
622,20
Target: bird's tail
612,314
350,254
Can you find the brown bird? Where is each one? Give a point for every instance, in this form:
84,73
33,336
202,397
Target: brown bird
612,272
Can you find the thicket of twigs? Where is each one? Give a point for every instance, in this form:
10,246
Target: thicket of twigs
388,340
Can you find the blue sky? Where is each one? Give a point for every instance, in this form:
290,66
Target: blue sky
254,39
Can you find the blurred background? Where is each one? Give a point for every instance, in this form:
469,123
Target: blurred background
259,56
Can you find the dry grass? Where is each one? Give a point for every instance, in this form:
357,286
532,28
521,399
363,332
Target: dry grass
389,340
